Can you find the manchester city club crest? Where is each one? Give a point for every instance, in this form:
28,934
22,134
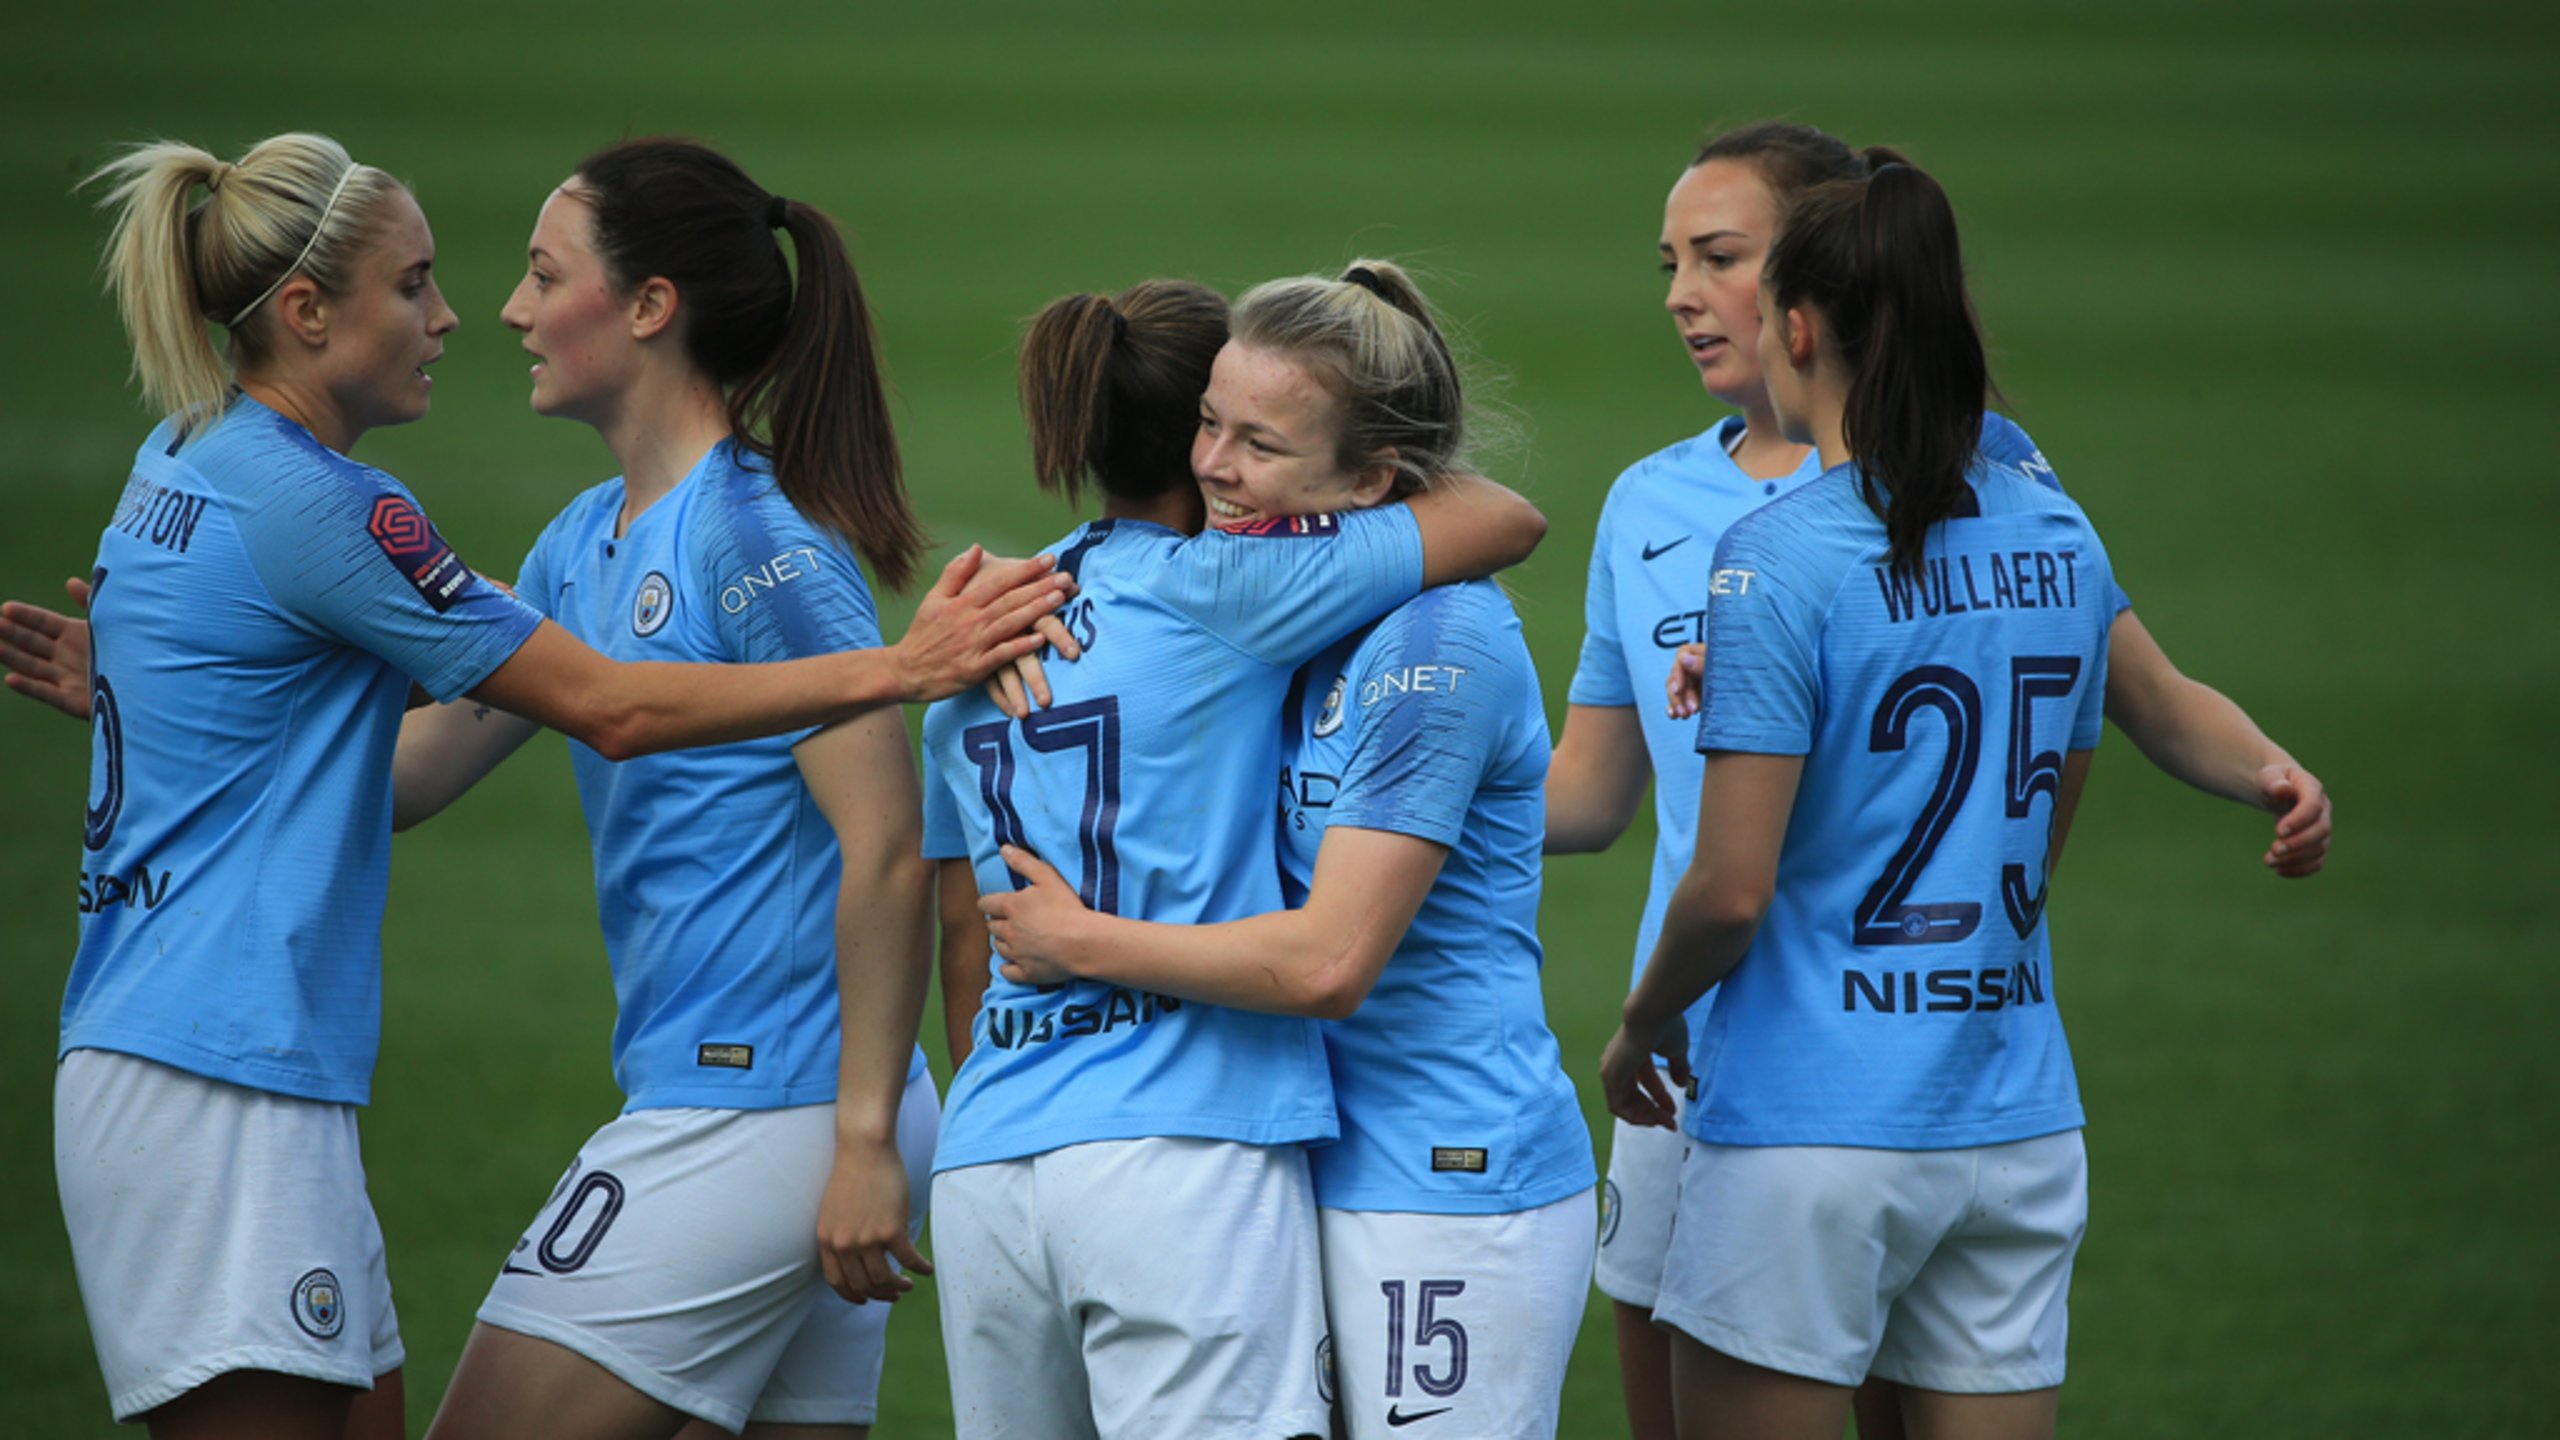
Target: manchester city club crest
651,607
319,1307
1324,1369
1329,719
1608,1211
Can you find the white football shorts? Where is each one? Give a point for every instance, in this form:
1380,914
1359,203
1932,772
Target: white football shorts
1637,1201
1132,1288
1944,1269
216,1228
1471,1317
680,1253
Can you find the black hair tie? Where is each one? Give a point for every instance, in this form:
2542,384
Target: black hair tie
1367,279
777,214
1119,322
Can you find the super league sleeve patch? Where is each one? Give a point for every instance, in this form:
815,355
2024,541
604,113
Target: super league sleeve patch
410,542
1289,527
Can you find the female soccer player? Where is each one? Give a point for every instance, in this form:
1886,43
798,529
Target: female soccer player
764,903
261,605
1124,1219
1455,1211
1649,594
1885,1172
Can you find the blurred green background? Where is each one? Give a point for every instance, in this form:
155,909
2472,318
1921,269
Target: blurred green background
2272,285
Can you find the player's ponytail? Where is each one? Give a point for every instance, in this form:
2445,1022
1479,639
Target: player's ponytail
1111,387
1369,338
800,370
1879,259
178,266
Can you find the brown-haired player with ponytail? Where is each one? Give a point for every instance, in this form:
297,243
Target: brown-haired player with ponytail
1907,667
262,605
1646,608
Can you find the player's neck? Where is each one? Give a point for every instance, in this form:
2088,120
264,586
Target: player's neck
658,434
1180,509
308,406
1764,453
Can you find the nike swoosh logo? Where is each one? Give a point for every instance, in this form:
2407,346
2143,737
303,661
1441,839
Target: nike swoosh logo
1650,552
516,1270
1399,1418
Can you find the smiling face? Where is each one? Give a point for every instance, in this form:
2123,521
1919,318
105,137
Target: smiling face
574,323
387,325
1716,228
1269,443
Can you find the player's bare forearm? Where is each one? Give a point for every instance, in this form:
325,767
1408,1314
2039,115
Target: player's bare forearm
964,956
1318,960
1595,779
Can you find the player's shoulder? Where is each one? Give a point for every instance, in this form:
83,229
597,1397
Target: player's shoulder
1703,456
1471,623
2005,442
251,445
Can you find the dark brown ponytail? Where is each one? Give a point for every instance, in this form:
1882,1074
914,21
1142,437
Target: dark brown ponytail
801,371
1111,387
1878,258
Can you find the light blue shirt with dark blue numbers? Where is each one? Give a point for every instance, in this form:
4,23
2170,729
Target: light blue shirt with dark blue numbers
1148,783
1452,1096
716,873
259,609
1648,594
1900,992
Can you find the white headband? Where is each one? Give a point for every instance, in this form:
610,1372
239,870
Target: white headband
316,232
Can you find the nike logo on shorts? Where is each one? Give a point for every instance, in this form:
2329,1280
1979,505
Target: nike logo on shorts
1396,1416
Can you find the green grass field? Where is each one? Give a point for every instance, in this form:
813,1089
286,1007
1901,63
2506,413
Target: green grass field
2272,285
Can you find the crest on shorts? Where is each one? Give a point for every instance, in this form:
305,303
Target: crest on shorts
1324,1369
319,1307
1608,1211
1329,719
651,607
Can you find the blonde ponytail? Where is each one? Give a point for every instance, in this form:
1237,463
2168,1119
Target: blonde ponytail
294,204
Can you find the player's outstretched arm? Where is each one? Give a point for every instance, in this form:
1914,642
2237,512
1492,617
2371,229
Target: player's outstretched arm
1472,527
978,617
46,653
1318,960
1595,779
862,776
446,749
2197,734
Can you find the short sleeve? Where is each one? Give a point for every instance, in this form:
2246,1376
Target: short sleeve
2005,443
1284,589
776,586
944,839
350,554
1600,676
2090,721
1763,682
1436,688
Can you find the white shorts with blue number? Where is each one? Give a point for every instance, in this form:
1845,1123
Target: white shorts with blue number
216,1228
1467,1317
680,1252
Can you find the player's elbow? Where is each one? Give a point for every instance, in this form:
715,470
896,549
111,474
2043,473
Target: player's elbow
1523,526
1337,984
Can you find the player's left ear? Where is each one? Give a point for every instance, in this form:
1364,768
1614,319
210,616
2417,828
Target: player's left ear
1375,481
653,307
1796,327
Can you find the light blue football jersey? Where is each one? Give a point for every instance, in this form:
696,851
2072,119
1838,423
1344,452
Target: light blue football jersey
1648,595
1900,992
716,873
1148,783
1452,1095
260,606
